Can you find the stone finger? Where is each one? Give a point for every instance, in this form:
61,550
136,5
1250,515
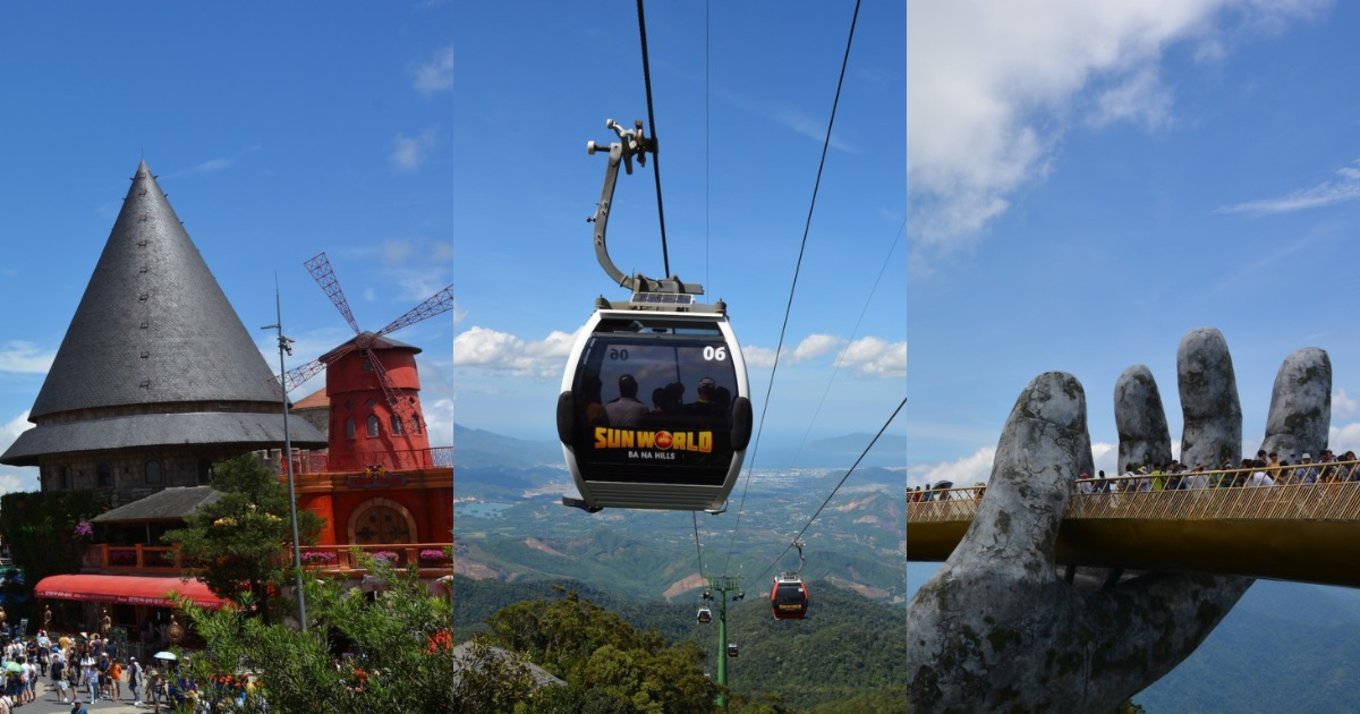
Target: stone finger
1043,447
1140,419
1300,406
1208,388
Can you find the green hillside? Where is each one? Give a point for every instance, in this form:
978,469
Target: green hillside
849,649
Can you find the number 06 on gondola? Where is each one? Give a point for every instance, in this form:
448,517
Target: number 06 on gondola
654,410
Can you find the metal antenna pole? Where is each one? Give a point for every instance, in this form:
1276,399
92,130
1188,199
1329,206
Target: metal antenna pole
285,345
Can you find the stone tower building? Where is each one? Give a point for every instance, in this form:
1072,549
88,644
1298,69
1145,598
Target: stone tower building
156,378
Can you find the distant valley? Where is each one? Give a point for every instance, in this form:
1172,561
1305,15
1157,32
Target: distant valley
511,526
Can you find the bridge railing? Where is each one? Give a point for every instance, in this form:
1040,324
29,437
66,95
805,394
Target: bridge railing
1331,491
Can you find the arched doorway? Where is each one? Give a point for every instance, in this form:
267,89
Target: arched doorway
381,521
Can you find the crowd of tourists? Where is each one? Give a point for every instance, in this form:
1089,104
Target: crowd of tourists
85,669
1267,469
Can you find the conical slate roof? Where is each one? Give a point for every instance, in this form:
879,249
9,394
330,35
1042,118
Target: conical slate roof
153,325
153,334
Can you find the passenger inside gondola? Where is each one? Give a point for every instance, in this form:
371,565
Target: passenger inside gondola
707,405
626,410
591,391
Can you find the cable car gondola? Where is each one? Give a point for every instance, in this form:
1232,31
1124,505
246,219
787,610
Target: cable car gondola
705,616
732,650
789,597
654,410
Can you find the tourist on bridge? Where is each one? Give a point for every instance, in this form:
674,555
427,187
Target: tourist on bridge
1306,473
1259,477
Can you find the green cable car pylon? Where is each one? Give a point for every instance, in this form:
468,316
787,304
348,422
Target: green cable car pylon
722,585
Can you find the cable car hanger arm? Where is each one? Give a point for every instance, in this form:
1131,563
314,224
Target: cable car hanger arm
632,143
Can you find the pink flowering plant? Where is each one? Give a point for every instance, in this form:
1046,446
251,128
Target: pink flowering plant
434,555
84,529
386,556
320,557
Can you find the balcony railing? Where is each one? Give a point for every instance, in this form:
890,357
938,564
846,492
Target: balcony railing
431,559
410,460
144,559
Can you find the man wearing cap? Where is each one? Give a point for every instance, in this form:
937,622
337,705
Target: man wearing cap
135,680
626,411
1306,473
707,404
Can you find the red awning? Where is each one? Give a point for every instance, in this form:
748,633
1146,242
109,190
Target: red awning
125,590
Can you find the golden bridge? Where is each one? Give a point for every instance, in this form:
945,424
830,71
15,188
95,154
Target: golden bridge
1215,522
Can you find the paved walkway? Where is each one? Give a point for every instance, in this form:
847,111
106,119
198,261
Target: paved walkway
47,703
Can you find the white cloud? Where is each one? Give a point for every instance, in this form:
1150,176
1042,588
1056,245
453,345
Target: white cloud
408,152
418,267
875,357
438,420
12,429
396,251
1345,187
491,349
758,357
808,126
977,467
12,481
213,165
1139,98
16,479
815,346
992,86
791,117
968,470
1343,406
1106,457
436,75
869,355
419,283
23,357
1344,438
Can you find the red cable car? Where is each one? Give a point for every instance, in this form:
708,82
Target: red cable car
789,597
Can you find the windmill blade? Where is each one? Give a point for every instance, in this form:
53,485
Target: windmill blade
293,378
320,268
437,304
399,406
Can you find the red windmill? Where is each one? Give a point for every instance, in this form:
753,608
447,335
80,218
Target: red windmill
372,386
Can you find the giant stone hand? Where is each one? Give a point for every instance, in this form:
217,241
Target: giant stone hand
999,629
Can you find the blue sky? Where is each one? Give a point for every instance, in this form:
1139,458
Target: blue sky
1089,181
277,130
742,100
